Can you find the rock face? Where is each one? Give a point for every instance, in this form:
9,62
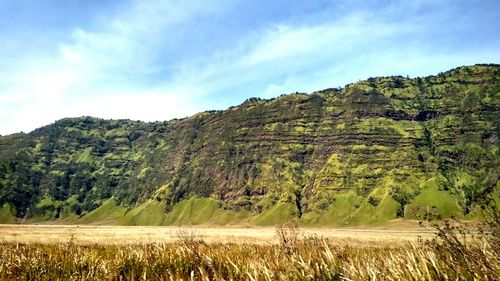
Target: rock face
373,151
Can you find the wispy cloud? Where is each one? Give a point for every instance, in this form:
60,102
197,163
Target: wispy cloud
400,38
156,60
102,72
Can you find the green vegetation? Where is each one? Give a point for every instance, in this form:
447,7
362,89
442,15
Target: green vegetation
107,212
376,150
7,215
278,214
149,213
433,201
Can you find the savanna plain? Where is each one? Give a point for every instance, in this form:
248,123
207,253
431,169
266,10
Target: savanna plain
449,251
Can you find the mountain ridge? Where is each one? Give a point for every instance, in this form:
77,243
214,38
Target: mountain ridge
373,151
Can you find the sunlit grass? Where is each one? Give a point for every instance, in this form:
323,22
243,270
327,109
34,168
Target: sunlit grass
294,257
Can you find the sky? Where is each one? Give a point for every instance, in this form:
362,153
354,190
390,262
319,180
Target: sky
157,60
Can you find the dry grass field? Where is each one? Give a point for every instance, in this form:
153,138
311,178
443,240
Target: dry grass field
86,234
287,252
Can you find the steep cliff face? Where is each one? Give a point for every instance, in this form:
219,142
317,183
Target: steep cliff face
373,151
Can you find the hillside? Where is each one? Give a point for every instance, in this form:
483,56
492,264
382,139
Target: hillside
368,153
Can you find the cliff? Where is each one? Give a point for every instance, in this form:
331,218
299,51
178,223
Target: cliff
368,153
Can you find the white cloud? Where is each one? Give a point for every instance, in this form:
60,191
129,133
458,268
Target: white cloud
311,56
105,69
70,55
288,50
99,71
130,43
150,106
51,104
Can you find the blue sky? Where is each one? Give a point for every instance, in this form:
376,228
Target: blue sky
157,60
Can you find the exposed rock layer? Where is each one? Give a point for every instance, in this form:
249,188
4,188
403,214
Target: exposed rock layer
372,151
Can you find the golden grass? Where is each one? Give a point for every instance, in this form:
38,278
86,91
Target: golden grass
284,253
311,259
85,234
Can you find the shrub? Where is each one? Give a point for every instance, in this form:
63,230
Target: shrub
288,236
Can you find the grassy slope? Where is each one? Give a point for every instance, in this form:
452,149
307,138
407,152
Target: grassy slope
149,213
192,211
108,212
278,214
6,214
196,211
431,196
